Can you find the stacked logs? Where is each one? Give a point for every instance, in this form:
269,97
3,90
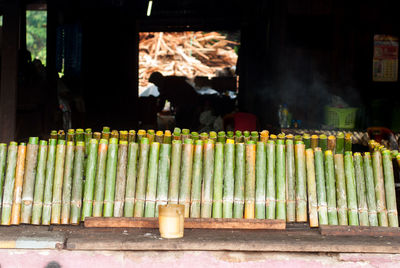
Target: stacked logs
248,175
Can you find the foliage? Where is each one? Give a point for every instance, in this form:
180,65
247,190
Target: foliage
36,22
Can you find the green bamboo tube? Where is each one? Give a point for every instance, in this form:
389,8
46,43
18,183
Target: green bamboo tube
221,137
238,201
150,206
99,184
370,189
48,187
176,156
3,158
394,153
301,182
390,190
131,173
186,175
9,182
273,137
361,193
230,134
29,179
39,183
141,183
204,136
88,137
105,133
261,179
213,136
120,183
311,188
77,183
321,188
348,142
254,136
330,188
167,137
140,135
331,144
341,196
132,136
264,135
352,208
307,140
323,142
379,189
185,134
150,135
281,136
298,138
57,183
159,136
229,180
271,189
163,175
208,180
90,175
238,136
114,134
196,180
246,136
194,136
340,143
280,180
123,135
218,180
79,135
314,141
53,134
70,135
97,136
290,182
19,177
61,135
67,183
250,181
111,173
177,133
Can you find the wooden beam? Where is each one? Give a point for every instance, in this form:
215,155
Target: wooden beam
190,223
336,230
9,70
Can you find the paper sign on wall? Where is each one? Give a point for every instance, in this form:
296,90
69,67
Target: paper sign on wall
386,58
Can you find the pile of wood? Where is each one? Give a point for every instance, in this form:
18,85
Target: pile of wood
187,54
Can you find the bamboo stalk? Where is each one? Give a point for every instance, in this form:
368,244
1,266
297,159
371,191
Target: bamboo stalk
194,136
176,155
120,184
321,189
88,137
301,182
97,136
323,142
150,135
264,135
19,177
159,136
352,208
280,180
140,135
196,180
140,196
29,179
298,138
70,135
221,137
77,183
53,134
132,136
311,188
39,183
261,179
254,136
204,136
390,189
229,180
123,136
271,190
230,134
167,137
307,140
131,173
185,134
281,136
150,206
3,158
289,137
61,135
330,188
314,141
250,180
111,173
177,133
163,175
208,180
186,175
9,182
246,136
99,183
48,187
331,143
341,190
290,182
67,183
79,135
340,143
379,189
370,188
360,187
348,142
57,183
114,134
105,133
238,136
90,175
213,136
238,201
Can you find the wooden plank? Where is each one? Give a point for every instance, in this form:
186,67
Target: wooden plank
335,230
190,223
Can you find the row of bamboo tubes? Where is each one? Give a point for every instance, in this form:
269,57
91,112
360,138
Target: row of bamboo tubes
249,175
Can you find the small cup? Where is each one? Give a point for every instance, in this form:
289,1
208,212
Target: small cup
171,220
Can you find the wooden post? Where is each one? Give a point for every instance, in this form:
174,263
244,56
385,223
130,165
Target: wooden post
9,70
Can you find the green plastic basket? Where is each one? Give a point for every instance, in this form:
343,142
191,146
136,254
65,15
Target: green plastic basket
340,117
